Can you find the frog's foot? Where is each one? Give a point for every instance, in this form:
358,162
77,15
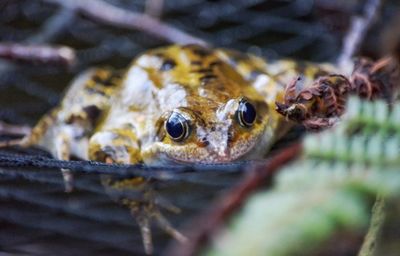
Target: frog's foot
138,195
378,79
317,106
145,212
9,143
61,147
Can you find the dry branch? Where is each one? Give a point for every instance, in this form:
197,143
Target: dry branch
109,14
356,33
37,54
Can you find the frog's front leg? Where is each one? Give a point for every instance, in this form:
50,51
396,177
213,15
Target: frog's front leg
62,151
121,146
62,141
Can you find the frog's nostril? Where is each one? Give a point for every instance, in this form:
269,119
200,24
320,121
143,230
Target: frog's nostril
204,141
230,136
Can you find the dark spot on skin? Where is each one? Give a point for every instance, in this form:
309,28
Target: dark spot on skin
215,63
196,63
207,78
230,137
95,90
213,129
96,78
203,70
108,83
204,142
159,54
92,112
198,50
110,80
167,65
201,52
220,87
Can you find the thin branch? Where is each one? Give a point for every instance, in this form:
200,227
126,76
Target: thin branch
358,28
112,15
38,54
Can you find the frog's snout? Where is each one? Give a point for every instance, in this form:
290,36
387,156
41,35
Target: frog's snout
219,147
218,142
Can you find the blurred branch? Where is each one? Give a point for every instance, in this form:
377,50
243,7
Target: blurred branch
358,28
53,27
112,15
369,245
37,53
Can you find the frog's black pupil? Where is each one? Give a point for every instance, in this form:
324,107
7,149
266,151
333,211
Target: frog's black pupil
247,114
174,126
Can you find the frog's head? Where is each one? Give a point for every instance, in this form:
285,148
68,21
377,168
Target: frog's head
210,113
215,133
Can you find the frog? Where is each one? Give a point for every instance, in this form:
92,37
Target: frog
174,104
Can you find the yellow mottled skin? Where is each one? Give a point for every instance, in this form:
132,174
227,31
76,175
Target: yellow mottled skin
120,116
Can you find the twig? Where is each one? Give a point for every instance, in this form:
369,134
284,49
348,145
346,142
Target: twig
112,15
53,27
358,28
38,53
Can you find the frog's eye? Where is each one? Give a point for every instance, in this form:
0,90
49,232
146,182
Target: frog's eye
246,113
168,65
177,127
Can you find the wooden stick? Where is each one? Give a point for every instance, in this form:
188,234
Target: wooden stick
358,28
109,14
42,54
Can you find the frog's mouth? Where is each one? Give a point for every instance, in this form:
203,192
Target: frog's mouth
253,147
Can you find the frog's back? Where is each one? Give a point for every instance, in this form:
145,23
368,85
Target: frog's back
197,79
190,76
167,78
213,74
